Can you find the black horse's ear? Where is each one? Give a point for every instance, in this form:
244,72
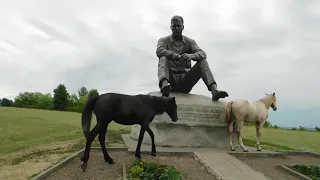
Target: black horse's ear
173,98
274,93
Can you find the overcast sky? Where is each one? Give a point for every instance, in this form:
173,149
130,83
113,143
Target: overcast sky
253,47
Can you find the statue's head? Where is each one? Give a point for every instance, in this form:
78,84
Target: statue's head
176,25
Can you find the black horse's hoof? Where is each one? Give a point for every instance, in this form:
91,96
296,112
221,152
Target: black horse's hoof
82,158
245,150
137,155
233,149
110,161
83,167
154,154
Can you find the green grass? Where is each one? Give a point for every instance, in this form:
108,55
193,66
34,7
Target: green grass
281,139
23,128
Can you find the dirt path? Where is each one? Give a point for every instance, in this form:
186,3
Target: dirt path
30,167
98,169
269,165
27,162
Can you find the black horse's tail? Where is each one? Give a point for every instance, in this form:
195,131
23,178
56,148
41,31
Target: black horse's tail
87,114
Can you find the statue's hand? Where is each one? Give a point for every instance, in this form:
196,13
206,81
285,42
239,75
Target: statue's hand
186,57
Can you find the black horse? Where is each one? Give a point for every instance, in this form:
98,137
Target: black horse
125,110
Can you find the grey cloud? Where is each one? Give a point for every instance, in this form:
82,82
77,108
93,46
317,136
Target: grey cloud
51,31
2,50
114,55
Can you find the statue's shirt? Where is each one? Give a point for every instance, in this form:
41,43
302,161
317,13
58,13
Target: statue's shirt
171,48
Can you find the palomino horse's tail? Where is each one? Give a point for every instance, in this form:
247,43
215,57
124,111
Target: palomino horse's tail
229,112
87,114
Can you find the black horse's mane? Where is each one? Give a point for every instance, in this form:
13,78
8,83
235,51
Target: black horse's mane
159,103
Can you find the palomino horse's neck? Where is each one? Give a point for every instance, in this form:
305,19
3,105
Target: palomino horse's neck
266,101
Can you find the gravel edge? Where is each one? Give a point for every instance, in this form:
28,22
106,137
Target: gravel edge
55,167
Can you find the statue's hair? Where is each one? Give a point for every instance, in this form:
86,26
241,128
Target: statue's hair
176,17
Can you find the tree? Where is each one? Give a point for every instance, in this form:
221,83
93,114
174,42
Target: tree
83,92
45,101
93,93
6,102
27,99
267,124
60,98
73,99
77,104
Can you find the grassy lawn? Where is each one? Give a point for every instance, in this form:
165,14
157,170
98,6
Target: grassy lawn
24,128
281,139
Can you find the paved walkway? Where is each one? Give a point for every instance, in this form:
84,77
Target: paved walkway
217,160
227,167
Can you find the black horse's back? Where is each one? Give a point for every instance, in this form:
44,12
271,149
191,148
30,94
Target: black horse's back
124,109
121,108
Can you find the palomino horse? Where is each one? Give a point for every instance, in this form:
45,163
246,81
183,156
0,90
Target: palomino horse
251,112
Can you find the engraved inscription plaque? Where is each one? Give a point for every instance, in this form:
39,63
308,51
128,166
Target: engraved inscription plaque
196,115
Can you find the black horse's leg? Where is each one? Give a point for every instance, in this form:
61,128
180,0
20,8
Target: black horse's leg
153,150
142,130
91,137
102,138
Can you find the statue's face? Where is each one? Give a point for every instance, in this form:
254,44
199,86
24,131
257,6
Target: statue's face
177,27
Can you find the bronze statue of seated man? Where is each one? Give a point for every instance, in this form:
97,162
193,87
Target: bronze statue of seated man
175,73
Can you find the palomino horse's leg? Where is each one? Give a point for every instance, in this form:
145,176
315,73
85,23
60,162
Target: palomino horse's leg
102,138
153,149
142,130
93,133
230,135
239,132
259,127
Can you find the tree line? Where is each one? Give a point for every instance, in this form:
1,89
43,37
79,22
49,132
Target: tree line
61,100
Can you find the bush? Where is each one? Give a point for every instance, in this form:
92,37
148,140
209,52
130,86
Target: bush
312,171
143,170
301,128
267,124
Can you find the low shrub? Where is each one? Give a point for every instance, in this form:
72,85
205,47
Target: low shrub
312,171
141,170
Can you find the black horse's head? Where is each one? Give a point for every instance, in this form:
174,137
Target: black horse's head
171,108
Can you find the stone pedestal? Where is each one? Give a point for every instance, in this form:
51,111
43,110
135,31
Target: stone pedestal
201,124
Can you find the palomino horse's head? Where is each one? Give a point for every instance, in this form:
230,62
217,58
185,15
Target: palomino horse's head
171,108
272,100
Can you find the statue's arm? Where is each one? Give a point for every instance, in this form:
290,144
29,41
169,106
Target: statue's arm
198,53
163,51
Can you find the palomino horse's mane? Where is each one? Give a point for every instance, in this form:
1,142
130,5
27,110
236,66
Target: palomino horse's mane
267,100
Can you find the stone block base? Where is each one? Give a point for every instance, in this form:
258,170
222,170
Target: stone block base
186,136
201,123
